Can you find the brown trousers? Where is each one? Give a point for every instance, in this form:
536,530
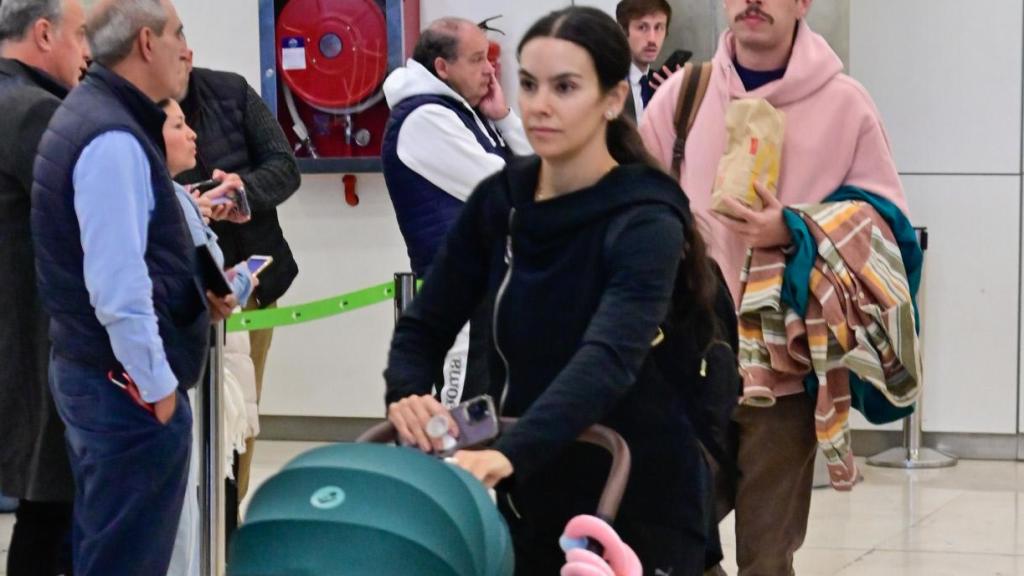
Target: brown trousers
259,344
772,496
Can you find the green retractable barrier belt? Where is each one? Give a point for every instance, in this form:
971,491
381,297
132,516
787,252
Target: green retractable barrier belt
318,310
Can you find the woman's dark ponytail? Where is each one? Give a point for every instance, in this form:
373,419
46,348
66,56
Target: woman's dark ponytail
697,281
626,146
697,285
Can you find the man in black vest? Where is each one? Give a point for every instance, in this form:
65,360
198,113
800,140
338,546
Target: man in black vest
240,143
118,274
43,53
450,128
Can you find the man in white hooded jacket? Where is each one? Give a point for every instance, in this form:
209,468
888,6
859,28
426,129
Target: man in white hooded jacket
450,128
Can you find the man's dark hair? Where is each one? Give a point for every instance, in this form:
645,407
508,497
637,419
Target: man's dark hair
628,10
439,40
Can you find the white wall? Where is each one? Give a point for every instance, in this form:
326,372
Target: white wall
947,80
333,367
224,35
946,77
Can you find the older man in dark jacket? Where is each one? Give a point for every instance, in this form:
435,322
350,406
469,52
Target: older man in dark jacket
43,52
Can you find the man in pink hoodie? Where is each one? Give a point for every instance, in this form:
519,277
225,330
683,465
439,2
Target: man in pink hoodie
833,136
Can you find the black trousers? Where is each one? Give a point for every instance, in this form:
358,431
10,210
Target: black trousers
538,509
41,542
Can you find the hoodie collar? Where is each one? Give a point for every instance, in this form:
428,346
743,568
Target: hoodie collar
624,187
812,64
415,80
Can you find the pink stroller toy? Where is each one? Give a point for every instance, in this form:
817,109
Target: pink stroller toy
618,559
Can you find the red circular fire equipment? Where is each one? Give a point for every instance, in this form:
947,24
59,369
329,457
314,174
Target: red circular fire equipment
332,54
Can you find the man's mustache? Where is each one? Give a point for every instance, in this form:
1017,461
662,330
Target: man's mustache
755,10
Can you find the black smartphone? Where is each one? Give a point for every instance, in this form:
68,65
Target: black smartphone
213,276
205,185
675,60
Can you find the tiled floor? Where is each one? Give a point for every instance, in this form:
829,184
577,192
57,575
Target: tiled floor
963,521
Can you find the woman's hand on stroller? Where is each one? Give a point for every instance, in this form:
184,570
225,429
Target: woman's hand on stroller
488,466
410,416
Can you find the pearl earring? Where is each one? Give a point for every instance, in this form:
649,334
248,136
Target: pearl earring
609,115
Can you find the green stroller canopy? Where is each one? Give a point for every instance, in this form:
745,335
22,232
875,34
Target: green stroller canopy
371,509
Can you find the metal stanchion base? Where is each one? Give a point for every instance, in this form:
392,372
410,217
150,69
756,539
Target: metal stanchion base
911,455
903,458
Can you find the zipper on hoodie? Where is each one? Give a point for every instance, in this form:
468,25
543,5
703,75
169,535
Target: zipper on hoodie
512,505
497,307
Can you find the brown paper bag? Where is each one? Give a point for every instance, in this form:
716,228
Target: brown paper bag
753,153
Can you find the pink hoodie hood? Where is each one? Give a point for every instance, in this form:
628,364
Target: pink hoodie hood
833,137
812,65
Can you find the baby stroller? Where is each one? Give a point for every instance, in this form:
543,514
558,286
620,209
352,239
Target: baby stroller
376,509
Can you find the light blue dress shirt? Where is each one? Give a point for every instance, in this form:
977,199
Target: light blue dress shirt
114,202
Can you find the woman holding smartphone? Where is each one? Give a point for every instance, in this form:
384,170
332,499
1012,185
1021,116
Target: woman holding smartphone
239,373
180,143
577,251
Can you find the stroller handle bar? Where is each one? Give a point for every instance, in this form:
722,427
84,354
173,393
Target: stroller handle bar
598,435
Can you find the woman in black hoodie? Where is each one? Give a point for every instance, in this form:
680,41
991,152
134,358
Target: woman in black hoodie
576,251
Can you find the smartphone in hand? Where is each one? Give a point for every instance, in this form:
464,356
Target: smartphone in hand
477,421
205,185
241,202
676,59
238,198
214,278
258,264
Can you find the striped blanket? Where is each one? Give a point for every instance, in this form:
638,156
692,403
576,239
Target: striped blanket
859,318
